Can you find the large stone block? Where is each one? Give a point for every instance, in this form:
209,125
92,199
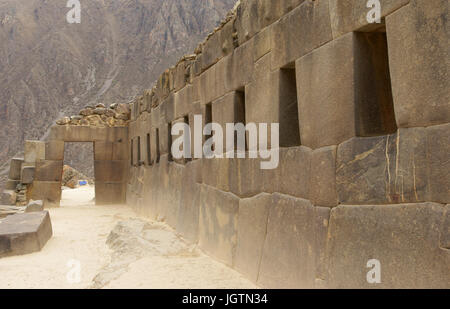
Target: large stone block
240,67
54,150
307,27
15,168
47,170
351,15
288,259
189,209
252,229
403,238
321,224
24,233
294,172
11,184
27,175
407,167
218,224
272,98
343,91
229,109
8,197
110,171
47,191
34,150
323,177
109,193
438,153
418,55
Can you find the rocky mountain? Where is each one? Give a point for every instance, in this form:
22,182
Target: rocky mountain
49,68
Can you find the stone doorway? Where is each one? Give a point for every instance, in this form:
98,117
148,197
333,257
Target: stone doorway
110,158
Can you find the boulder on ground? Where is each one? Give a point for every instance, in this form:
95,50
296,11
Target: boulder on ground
71,177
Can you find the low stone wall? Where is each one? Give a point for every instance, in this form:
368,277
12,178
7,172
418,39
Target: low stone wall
364,144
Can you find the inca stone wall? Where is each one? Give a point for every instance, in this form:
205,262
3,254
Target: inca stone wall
364,144
364,167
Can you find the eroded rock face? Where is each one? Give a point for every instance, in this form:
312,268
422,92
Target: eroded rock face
71,177
133,239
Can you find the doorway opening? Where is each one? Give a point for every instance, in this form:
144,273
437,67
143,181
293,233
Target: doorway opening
78,185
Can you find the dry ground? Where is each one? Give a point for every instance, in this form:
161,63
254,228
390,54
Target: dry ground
140,254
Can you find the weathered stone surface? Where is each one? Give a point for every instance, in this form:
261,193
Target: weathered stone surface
109,171
27,174
343,90
404,238
323,177
297,183
34,150
34,206
11,184
189,209
47,170
47,191
252,229
321,224
288,259
438,154
307,27
24,233
239,66
218,224
54,150
15,168
229,109
8,197
351,15
418,45
407,167
272,98
109,193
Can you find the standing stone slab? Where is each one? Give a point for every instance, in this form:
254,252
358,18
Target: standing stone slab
47,170
188,214
34,150
252,230
218,224
15,168
438,149
24,233
288,259
323,177
403,238
418,54
27,174
47,191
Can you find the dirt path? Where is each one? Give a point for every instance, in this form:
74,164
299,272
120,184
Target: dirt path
139,253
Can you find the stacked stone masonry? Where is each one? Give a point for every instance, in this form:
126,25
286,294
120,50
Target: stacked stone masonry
364,134
364,169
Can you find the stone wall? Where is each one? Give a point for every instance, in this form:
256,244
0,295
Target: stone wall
364,134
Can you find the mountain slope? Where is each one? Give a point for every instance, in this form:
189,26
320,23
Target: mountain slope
49,67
